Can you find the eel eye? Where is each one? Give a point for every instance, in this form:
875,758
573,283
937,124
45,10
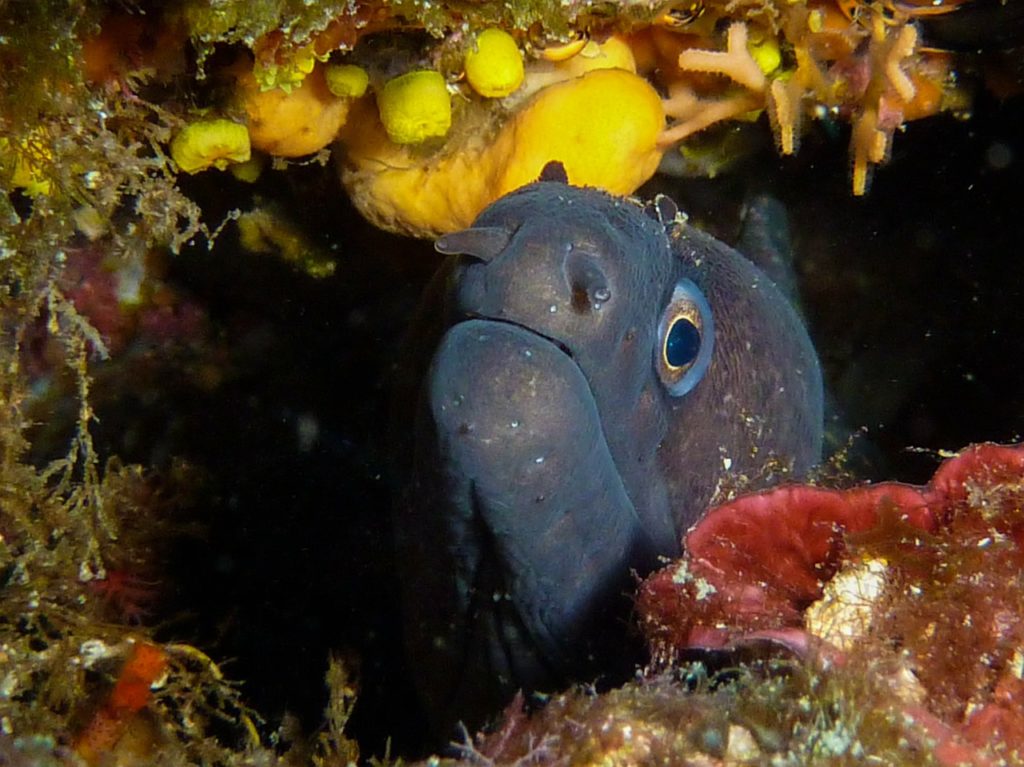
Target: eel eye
685,339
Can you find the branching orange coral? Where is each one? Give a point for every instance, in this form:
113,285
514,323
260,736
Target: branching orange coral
786,96
869,72
874,126
735,62
693,113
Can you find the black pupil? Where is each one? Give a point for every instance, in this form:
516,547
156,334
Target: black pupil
682,344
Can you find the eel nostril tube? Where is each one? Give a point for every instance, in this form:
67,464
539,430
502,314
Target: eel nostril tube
482,242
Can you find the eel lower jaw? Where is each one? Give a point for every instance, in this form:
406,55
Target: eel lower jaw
532,481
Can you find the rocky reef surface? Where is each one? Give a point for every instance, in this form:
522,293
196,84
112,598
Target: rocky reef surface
198,326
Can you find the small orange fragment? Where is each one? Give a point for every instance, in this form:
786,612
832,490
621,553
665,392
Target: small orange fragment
132,692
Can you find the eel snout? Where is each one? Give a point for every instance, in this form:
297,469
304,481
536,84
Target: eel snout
555,534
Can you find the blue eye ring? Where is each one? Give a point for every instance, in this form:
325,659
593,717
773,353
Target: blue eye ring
686,338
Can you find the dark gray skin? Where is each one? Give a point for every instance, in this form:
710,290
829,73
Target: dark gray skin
551,465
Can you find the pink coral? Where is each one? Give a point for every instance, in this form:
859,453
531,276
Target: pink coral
758,561
944,609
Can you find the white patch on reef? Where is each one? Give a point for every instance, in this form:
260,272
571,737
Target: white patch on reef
682,576
844,613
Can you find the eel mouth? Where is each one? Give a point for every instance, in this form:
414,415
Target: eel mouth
497,390
529,471
560,345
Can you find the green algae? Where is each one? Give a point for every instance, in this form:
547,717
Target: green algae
99,177
39,53
233,21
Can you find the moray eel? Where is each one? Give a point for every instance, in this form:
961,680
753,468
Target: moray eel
593,372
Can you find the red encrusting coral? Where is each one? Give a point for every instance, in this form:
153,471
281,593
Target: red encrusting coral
755,563
126,302
943,603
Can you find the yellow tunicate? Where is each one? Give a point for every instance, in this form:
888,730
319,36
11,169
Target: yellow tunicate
346,80
816,21
494,65
296,123
210,144
563,51
248,171
25,161
766,54
415,107
27,176
603,127
613,53
267,230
